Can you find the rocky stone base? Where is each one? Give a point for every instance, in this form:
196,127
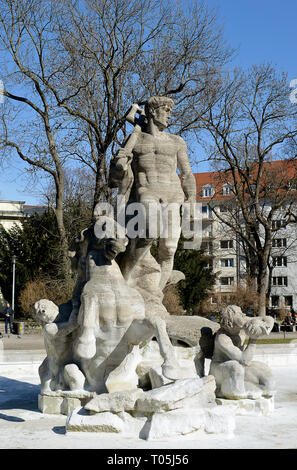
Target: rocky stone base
172,410
259,407
62,402
160,425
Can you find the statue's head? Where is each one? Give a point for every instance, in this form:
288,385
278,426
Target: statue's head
110,236
159,109
233,319
45,311
113,246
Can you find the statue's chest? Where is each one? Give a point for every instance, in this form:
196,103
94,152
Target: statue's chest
149,148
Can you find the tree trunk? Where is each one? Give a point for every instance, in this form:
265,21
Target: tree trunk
262,289
65,265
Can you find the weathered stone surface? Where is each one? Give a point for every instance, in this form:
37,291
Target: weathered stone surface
69,404
124,377
260,406
182,422
151,359
237,375
169,397
173,423
160,425
46,311
61,404
220,421
80,420
115,402
157,379
50,405
187,328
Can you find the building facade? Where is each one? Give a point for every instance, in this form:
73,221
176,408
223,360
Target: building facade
227,257
12,212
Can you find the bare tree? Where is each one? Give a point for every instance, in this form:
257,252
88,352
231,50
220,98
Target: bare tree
250,121
31,126
74,68
123,52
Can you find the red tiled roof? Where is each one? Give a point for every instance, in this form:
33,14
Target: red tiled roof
283,170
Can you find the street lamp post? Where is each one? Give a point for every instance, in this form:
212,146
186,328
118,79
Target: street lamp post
13,282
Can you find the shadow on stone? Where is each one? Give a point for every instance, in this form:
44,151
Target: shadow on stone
59,430
15,419
18,394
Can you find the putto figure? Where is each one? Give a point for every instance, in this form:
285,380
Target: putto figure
237,375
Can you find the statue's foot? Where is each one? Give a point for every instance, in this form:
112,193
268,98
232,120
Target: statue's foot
232,396
174,371
231,393
254,394
268,393
257,391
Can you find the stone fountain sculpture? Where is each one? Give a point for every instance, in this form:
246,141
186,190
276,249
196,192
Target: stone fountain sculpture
113,361
238,376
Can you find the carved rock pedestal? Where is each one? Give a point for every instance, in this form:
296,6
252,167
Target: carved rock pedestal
172,410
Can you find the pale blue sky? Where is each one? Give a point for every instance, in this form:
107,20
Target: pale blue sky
261,30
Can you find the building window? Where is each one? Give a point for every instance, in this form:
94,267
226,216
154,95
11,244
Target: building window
225,244
227,262
277,223
227,189
288,301
207,191
274,300
207,246
204,210
292,185
209,264
226,281
280,281
279,261
279,242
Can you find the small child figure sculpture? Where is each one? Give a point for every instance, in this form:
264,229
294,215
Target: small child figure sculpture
237,375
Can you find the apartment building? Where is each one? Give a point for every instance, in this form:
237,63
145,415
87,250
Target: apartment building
227,256
12,212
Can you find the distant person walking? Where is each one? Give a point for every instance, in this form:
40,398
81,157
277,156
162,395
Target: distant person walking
8,317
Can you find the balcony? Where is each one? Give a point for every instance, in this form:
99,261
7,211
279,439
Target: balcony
207,235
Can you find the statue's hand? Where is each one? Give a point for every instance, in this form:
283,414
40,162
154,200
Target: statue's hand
258,326
122,159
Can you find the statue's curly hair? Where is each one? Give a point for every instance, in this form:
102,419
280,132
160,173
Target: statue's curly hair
155,102
229,314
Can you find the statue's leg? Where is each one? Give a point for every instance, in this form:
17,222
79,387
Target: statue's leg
120,367
148,231
167,247
230,376
135,253
85,346
45,376
170,367
73,377
260,375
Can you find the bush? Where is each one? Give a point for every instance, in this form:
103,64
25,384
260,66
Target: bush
172,301
58,291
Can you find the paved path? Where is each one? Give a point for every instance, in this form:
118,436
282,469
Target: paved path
34,341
